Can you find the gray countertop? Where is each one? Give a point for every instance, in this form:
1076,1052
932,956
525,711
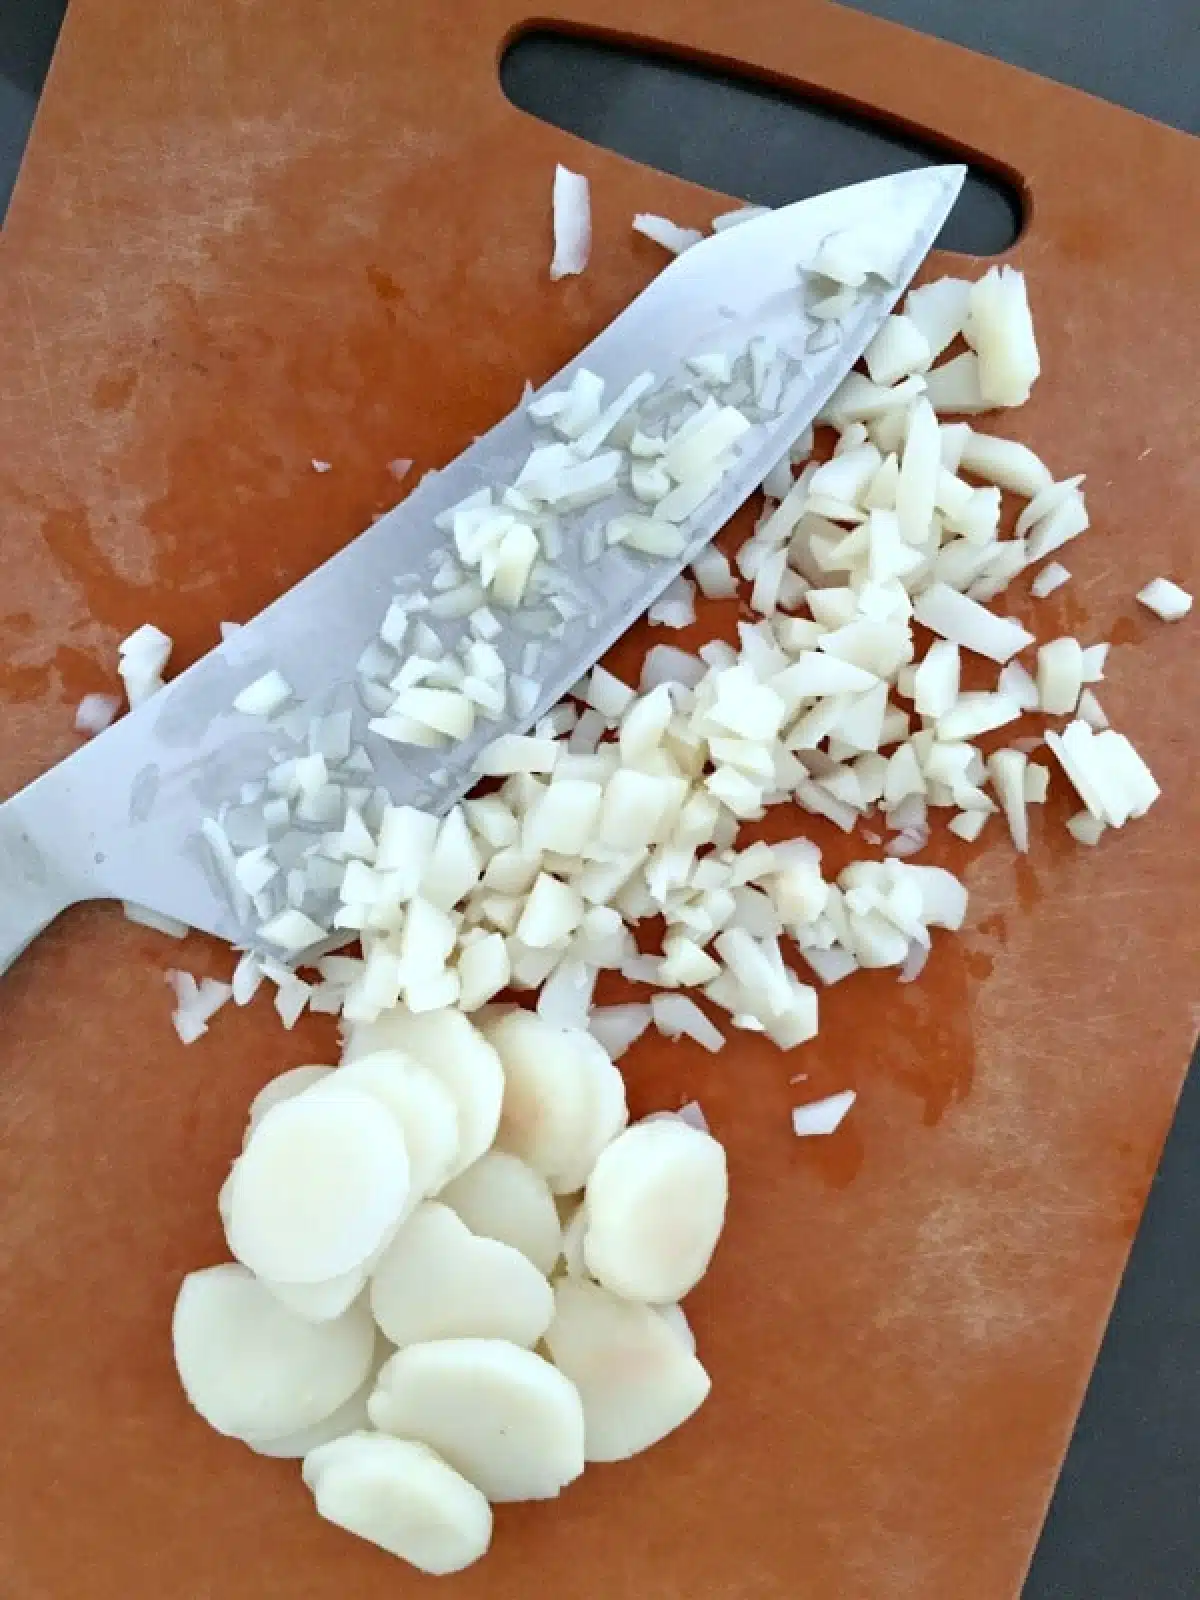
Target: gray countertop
1124,1524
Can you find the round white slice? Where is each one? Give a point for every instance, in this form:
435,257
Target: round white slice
319,1186
350,1417
676,1319
436,1280
607,1112
574,1232
423,1107
546,1115
655,1208
457,1054
320,1302
502,1198
506,1419
403,1498
225,1198
253,1369
636,1377
286,1086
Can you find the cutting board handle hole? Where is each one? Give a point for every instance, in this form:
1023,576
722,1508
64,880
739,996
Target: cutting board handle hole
735,132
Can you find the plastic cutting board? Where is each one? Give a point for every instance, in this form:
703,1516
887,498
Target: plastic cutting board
250,234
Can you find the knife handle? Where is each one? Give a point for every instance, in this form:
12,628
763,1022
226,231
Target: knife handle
33,889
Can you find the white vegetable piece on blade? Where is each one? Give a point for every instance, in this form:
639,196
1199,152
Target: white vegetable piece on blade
505,1418
655,1209
251,1368
449,1046
402,1497
441,711
572,223
264,696
291,931
501,1197
514,752
323,1179
850,254
635,1375
598,433
438,1280
506,570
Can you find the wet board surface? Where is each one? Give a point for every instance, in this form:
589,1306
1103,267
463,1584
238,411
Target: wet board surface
246,236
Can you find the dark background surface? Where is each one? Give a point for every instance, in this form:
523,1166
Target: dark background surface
1125,1522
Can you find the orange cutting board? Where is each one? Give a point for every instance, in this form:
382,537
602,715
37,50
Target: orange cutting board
251,233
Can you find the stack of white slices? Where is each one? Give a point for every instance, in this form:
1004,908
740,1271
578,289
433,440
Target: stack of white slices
457,1276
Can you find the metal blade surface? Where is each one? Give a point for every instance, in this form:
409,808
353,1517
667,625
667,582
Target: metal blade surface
121,817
